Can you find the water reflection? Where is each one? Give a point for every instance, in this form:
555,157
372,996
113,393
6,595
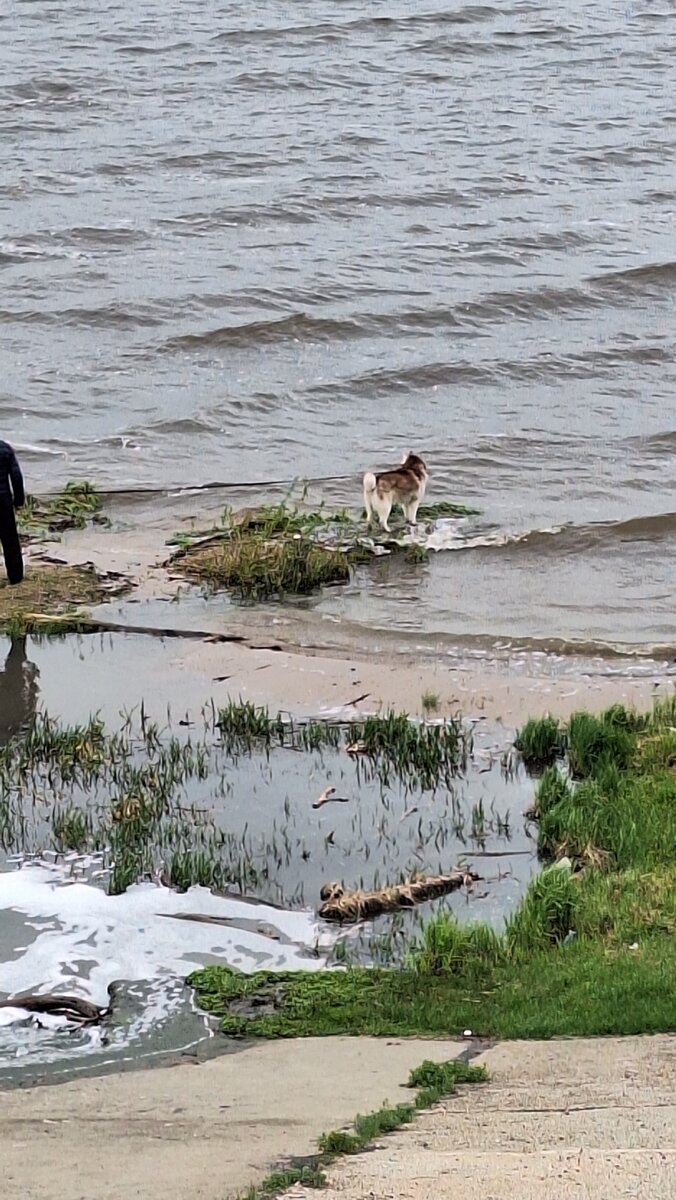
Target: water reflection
18,690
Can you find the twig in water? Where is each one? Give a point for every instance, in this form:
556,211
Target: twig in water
327,796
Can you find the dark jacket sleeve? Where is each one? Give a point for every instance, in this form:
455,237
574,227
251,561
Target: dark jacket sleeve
17,481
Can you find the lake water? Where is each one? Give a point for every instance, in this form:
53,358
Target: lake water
244,245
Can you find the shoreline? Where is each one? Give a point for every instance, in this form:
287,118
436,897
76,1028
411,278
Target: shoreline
292,659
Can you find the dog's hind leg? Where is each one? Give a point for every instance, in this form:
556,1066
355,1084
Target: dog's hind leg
383,507
411,512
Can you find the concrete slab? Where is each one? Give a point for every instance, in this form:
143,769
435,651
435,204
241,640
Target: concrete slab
561,1119
197,1132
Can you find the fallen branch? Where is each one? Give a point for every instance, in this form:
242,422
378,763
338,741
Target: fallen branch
341,906
72,1007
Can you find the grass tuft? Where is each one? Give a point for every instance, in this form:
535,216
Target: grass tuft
593,742
552,790
546,914
72,508
269,553
540,742
448,948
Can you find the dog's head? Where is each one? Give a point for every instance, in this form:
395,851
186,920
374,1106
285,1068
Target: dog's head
413,462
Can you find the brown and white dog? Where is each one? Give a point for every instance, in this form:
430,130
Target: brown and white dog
404,485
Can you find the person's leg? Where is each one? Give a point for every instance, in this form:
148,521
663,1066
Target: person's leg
11,546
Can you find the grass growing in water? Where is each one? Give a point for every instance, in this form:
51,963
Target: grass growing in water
78,503
278,550
394,747
445,508
540,742
420,754
271,554
587,952
156,803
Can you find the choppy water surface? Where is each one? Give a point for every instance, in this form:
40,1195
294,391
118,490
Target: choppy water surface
245,244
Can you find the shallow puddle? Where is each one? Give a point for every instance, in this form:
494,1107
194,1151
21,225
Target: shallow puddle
251,813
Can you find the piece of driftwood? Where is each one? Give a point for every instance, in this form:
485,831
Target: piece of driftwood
341,906
72,1007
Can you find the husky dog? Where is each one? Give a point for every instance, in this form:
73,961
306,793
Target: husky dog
404,485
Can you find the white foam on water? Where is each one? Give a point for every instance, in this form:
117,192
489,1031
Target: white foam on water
72,938
133,938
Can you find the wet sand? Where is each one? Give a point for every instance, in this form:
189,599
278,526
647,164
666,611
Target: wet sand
283,661
318,683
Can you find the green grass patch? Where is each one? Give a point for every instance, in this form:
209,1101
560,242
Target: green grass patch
258,566
617,819
540,742
593,742
72,508
584,989
270,551
280,1181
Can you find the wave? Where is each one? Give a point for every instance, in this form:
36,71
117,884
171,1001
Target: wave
110,316
470,14
558,539
649,279
464,320
255,333
656,443
488,645
552,369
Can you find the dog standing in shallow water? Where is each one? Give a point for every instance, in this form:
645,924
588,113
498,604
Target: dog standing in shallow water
404,485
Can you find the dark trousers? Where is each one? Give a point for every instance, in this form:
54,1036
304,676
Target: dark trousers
11,546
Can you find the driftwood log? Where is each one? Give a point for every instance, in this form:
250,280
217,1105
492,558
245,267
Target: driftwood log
341,906
73,1007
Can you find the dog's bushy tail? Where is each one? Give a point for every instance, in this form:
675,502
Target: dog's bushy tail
370,482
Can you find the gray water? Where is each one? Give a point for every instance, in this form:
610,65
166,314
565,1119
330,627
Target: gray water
61,932
248,244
